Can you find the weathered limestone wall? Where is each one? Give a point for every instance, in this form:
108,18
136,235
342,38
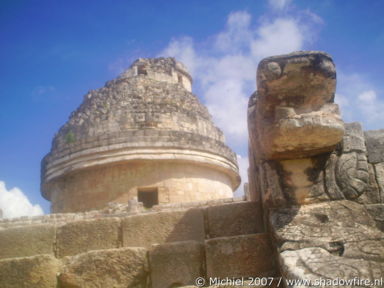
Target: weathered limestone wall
118,248
147,114
174,182
317,179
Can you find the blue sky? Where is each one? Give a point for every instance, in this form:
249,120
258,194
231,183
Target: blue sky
52,52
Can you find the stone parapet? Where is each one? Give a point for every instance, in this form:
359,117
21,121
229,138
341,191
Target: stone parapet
112,248
73,233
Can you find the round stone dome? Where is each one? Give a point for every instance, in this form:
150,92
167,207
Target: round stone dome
142,135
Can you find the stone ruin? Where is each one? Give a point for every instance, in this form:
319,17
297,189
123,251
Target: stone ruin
318,181
142,135
314,207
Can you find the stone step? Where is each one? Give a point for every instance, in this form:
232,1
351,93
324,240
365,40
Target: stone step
240,256
141,230
181,263
167,265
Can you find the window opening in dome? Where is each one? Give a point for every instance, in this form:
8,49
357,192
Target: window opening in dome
148,196
141,70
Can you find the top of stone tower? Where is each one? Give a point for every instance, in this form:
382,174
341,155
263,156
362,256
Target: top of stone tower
148,112
160,69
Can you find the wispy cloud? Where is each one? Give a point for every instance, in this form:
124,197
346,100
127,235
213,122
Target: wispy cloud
279,4
359,100
243,163
43,92
224,68
14,203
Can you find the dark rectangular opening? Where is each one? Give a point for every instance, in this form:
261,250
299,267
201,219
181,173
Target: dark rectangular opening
141,70
148,196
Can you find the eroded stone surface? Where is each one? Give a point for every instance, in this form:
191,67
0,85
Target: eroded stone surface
118,268
303,180
353,139
322,224
82,236
270,183
377,213
29,272
240,256
379,170
176,264
315,263
233,219
293,109
372,193
27,241
347,175
375,145
352,174
163,227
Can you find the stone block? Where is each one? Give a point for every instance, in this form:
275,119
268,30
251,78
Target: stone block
29,272
352,174
372,193
374,140
353,139
176,264
303,179
372,250
377,213
240,256
118,268
273,194
302,135
294,113
331,185
82,236
328,224
234,219
162,227
347,175
27,241
314,263
379,173
286,78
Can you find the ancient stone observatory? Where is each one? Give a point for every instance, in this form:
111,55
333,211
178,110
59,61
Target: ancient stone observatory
142,135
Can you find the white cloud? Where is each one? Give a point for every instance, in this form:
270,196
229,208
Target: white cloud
44,92
224,65
280,36
183,50
359,100
279,4
367,96
237,33
224,69
41,90
243,163
14,203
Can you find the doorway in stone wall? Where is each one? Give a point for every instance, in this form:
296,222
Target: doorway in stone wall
148,196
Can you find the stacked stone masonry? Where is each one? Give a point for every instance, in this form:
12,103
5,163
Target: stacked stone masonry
170,247
144,132
318,180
